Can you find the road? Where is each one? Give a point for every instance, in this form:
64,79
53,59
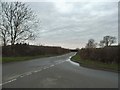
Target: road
55,72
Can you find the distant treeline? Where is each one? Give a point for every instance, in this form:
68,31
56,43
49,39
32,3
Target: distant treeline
105,55
31,50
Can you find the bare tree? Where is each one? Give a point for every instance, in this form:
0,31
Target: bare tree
91,44
18,22
3,28
108,40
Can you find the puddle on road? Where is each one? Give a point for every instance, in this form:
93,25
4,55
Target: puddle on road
77,64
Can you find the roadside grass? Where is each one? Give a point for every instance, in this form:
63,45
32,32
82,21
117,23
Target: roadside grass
95,64
22,58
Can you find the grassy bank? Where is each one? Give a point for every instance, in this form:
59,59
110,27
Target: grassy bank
23,58
95,64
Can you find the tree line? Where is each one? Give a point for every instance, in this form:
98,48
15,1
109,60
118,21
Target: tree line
107,41
24,49
106,53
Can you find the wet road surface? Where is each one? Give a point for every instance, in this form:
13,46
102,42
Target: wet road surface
55,72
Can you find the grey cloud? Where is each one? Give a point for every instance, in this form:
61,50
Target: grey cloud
74,28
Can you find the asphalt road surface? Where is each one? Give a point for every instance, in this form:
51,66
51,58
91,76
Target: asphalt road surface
55,72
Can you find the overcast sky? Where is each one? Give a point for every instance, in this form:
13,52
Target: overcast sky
71,24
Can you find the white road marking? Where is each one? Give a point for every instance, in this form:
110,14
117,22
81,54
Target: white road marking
35,71
29,73
8,81
21,76
39,70
57,62
51,65
45,67
13,79
26,74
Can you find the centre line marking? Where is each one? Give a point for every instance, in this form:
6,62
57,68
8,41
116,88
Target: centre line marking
29,73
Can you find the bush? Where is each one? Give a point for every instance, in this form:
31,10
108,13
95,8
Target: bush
106,54
29,50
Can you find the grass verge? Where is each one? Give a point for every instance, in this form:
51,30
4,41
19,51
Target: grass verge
95,64
23,58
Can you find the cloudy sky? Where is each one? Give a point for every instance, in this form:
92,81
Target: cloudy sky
71,24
